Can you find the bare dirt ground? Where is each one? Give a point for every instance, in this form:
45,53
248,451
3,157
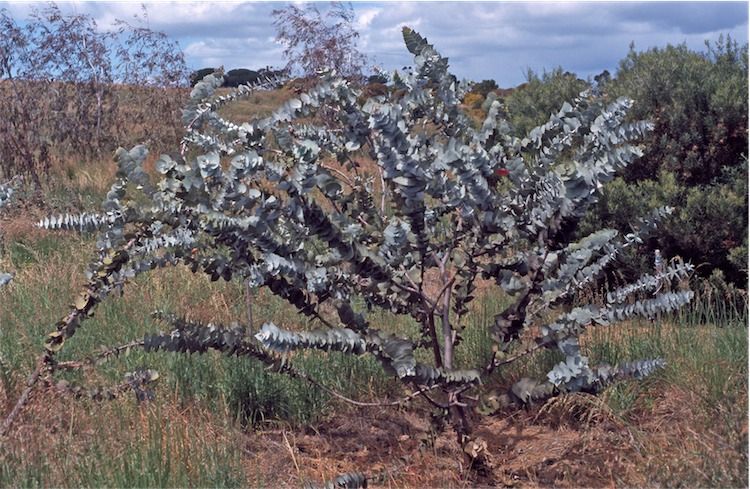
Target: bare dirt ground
575,441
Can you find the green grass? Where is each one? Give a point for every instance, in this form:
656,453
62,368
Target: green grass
155,460
718,305
151,450
153,446
709,360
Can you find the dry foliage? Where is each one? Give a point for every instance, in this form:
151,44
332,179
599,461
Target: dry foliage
71,92
315,41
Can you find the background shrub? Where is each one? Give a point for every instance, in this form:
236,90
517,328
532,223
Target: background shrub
696,158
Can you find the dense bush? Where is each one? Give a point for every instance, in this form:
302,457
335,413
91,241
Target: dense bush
377,79
240,76
708,227
698,103
484,87
198,75
695,159
531,103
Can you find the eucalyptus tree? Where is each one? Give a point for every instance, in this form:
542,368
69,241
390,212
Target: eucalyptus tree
402,206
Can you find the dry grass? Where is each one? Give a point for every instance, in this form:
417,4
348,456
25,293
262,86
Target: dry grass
654,447
79,443
259,104
575,441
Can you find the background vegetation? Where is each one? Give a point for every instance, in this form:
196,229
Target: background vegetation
696,157
72,92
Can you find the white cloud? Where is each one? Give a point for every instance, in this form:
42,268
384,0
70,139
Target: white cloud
365,18
482,39
203,49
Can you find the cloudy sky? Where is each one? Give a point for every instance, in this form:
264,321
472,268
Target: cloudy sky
482,39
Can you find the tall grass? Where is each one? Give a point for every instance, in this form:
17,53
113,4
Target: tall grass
49,275
117,445
718,304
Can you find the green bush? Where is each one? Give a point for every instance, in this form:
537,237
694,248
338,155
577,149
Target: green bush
696,158
484,87
708,228
698,104
377,78
532,103
240,76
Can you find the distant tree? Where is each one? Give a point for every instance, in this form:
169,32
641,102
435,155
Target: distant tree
602,80
531,104
62,94
271,73
240,76
198,75
146,57
484,87
377,78
314,41
398,82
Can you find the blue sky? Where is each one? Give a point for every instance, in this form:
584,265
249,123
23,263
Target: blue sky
499,40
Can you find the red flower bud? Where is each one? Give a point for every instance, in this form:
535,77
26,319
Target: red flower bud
503,172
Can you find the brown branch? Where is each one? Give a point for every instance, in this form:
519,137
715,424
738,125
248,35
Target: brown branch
47,358
434,340
42,365
338,395
338,172
417,289
73,365
434,402
94,358
494,364
445,314
249,305
382,190
445,287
